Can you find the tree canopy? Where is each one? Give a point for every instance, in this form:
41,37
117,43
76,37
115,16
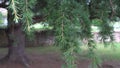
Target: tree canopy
71,19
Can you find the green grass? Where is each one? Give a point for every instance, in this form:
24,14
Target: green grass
47,49
36,50
111,52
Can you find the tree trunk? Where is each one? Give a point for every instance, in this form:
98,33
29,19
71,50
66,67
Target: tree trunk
16,45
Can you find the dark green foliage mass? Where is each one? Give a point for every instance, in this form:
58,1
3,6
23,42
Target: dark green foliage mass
72,20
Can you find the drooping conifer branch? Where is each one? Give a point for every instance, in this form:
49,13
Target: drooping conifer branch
15,11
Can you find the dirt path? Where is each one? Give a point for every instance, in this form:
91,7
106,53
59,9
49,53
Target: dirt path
53,61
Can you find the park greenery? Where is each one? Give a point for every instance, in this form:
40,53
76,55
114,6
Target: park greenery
70,20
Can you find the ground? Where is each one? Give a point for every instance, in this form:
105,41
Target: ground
53,60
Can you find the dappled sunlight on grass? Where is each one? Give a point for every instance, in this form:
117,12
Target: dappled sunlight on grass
109,52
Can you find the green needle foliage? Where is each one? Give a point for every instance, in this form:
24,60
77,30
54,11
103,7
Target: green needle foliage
72,20
63,16
22,12
66,15
27,15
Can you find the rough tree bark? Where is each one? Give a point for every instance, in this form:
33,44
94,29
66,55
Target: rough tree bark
16,40
16,46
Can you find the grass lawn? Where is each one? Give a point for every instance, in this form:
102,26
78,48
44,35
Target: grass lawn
41,50
111,52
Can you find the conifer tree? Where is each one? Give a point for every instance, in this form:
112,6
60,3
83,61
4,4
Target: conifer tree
72,20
